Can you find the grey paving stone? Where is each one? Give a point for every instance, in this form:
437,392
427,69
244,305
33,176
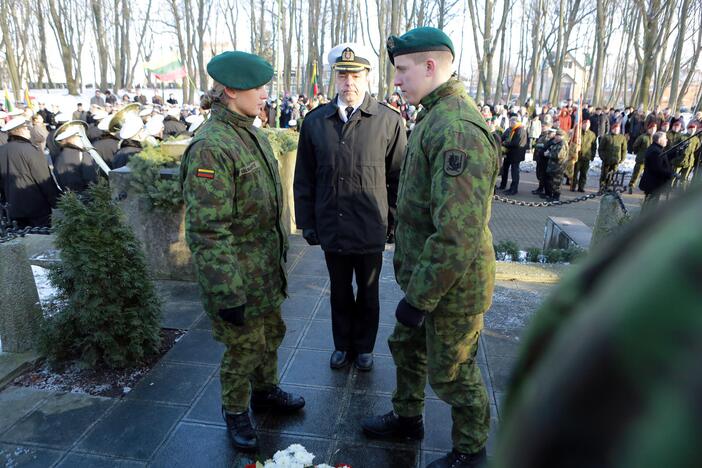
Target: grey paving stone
437,426
174,383
361,455
310,265
12,455
310,367
15,402
360,407
318,336
197,346
195,445
177,290
390,291
293,332
317,418
323,311
381,340
387,312
500,343
301,307
208,407
500,370
82,460
203,323
133,429
59,421
312,286
181,314
380,379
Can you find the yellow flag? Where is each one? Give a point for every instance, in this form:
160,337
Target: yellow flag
28,99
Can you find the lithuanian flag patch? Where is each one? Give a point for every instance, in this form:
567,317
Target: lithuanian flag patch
205,173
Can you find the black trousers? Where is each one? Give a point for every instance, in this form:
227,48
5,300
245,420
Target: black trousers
511,167
354,319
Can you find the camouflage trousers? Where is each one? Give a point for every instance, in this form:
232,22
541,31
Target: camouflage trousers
445,348
250,359
607,169
638,170
580,174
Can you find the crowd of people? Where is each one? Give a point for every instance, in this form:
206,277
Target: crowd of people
47,152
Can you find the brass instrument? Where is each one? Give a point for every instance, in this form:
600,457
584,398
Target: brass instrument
123,114
81,128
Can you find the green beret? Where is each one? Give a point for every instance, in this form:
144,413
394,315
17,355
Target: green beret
239,70
419,40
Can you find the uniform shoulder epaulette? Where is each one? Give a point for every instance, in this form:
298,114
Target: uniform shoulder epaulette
389,107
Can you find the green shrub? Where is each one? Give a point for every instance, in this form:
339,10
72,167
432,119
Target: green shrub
505,248
111,314
533,254
146,178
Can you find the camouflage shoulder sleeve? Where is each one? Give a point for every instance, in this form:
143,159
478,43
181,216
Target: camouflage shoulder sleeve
463,169
208,188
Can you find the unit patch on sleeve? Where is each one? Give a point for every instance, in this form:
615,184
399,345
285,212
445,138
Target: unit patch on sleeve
454,162
205,173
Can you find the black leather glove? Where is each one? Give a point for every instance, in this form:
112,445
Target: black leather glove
310,236
408,315
234,315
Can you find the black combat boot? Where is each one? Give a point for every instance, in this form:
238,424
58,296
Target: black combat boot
392,426
240,430
276,400
460,460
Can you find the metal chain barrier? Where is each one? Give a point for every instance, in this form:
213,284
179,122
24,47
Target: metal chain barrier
10,230
614,191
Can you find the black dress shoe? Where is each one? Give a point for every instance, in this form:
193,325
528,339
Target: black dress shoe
537,192
392,426
364,362
276,400
240,430
460,460
339,359
510,192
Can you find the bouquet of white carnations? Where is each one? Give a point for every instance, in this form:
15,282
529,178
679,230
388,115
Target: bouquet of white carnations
295,456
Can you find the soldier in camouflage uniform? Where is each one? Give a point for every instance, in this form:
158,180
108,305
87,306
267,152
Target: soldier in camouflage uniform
233,205
557,155
639,148
586,154
444,258
683,160
612,151
609,373
541,161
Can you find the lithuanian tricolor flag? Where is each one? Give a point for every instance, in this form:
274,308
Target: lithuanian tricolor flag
28,98
315,80
9,106
166,69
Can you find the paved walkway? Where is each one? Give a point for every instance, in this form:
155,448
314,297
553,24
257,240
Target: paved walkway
172,417
525,225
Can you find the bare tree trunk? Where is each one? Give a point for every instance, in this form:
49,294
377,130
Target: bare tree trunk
9,50
674,96
100,39
64,47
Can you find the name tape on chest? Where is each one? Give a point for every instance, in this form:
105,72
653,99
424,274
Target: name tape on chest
455,162
249,168
205,173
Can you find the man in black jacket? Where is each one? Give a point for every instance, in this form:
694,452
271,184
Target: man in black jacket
74,167
599,123
658,171
26,185
172,126
515,140
346,176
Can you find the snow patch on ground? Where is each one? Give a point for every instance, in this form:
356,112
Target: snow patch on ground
47,291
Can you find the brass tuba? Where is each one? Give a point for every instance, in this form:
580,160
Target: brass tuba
123,114
81,128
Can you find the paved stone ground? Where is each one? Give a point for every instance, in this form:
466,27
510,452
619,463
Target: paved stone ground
525,225
172,418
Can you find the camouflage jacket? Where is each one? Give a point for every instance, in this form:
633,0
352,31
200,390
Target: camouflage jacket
606,377
540,145
685,155
640,146
443,251
612,148
233,206
588,148
557,155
